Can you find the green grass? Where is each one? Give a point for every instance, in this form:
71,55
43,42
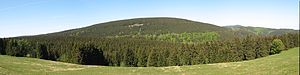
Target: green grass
285,63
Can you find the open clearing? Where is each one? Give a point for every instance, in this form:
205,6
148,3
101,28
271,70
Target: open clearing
285,63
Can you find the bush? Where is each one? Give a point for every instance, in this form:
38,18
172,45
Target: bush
277,46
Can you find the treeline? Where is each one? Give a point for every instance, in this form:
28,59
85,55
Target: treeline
134,52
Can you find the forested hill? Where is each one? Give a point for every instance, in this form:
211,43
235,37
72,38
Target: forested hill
146,42
141,26
259,30
163,25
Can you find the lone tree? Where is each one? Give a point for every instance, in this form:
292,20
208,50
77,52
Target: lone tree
277,46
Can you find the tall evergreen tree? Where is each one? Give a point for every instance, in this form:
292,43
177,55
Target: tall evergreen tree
129,58
152,58
2,50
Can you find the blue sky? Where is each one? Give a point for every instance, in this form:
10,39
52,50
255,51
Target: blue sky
32,17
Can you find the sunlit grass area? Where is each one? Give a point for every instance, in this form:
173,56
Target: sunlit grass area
285,63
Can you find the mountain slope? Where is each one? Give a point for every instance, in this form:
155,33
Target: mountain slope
285,63
141,26
163,25
259,30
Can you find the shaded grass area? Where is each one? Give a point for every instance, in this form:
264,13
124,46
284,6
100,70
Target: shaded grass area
285,63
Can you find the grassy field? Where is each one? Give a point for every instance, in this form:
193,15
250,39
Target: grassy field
285,63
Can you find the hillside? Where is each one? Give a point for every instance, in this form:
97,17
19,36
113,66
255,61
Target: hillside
285,63
259,30
142,26
161,26
147,42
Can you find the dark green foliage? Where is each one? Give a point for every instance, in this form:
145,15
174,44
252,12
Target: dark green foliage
277,46
164,25
90,55
17,48
141,55
290,40
152,42
42,51
141,52
2,50
129,58
262,47
173,58
249,48
141,26
152,58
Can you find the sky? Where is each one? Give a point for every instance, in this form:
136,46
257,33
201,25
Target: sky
33,17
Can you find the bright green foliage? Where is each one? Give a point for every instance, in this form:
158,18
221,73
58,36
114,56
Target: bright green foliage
277,46
189,37
194,37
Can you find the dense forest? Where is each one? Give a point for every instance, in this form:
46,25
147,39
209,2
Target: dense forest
134,52
144,42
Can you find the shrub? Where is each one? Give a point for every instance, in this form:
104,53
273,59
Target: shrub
277,46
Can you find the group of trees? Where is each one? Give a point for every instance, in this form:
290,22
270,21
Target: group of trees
185,37
194,37
134,52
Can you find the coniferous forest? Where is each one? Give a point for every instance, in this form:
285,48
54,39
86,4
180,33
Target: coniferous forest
138,49
142,53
